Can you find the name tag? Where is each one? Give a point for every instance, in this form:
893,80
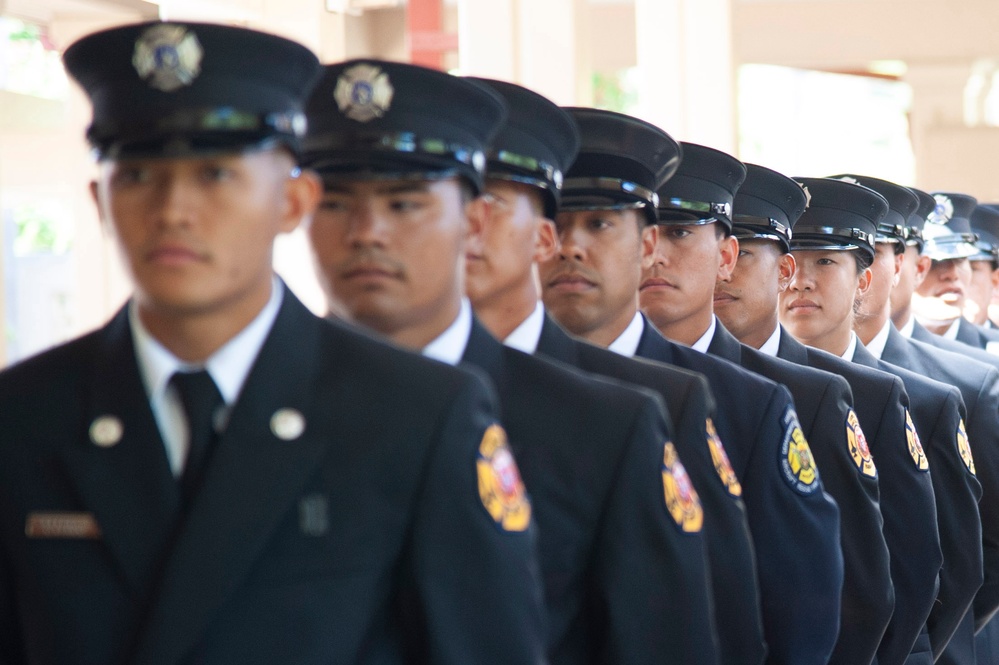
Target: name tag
51,524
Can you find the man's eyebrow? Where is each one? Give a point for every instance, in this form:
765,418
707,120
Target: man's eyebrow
392,188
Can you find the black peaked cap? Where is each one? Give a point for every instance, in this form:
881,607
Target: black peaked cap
985,224
374,118
901,204
917,219
840,215
702,189
621,163
947,232
767,205
537,143
175,89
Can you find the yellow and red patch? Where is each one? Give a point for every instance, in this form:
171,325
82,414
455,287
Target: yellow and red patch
856,443
500,487
720,459
682,501
796,460
964,448
915,447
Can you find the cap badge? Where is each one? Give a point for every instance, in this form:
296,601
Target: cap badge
168,57
808,195
849,179
363,92
943,211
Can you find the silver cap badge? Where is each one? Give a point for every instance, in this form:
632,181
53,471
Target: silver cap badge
363,92
168,57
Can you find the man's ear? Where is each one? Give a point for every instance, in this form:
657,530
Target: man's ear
303,190
728,251
864,281
545,241
785,271
923,264
650,238
898,269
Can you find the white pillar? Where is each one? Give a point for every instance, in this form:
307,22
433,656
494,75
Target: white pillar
686,68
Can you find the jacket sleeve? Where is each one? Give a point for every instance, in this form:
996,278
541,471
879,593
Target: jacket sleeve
476,595
795,527
650,561
983,436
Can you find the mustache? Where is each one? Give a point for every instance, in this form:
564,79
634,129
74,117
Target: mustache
572,267
371,259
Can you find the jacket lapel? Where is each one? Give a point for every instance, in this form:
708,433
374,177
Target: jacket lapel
895,347
250,485
653,345
126,482
791,349
555,343
486,353
724,345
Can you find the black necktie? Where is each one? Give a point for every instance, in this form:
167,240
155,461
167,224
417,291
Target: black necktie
202,400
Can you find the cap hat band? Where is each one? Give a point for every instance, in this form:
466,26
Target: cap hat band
616,185
842,232
548,174
709,212
318,148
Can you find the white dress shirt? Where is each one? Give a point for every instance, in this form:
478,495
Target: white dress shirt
526,336
772,345
851,348
450,345
877,345
627,342
228,367
705,341
906,330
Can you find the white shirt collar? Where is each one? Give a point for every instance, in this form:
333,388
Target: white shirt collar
627,342
229,366
525,337
705,341
450,345
851,348
951,332
877,345
772,345
909,326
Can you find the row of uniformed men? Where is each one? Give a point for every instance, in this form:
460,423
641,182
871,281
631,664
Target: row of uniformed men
346,501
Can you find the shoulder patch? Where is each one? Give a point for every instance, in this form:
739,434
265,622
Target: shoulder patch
682,501
720,459
796,461
500,487
964,448
857,445
915,447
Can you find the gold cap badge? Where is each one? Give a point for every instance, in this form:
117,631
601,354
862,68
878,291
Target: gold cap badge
168,57
363,92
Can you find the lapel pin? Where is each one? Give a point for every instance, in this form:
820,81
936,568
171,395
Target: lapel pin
287,424
106,431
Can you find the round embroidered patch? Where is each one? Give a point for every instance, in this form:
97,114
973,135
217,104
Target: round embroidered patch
915,447
964,448
857,445
796,461
720,459
500,487
682,501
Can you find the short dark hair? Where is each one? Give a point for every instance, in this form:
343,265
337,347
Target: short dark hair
863,259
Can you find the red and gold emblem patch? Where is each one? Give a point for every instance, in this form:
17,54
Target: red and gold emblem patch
720,459
915,447
857,445
964,448
796,459
500,487
682,501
